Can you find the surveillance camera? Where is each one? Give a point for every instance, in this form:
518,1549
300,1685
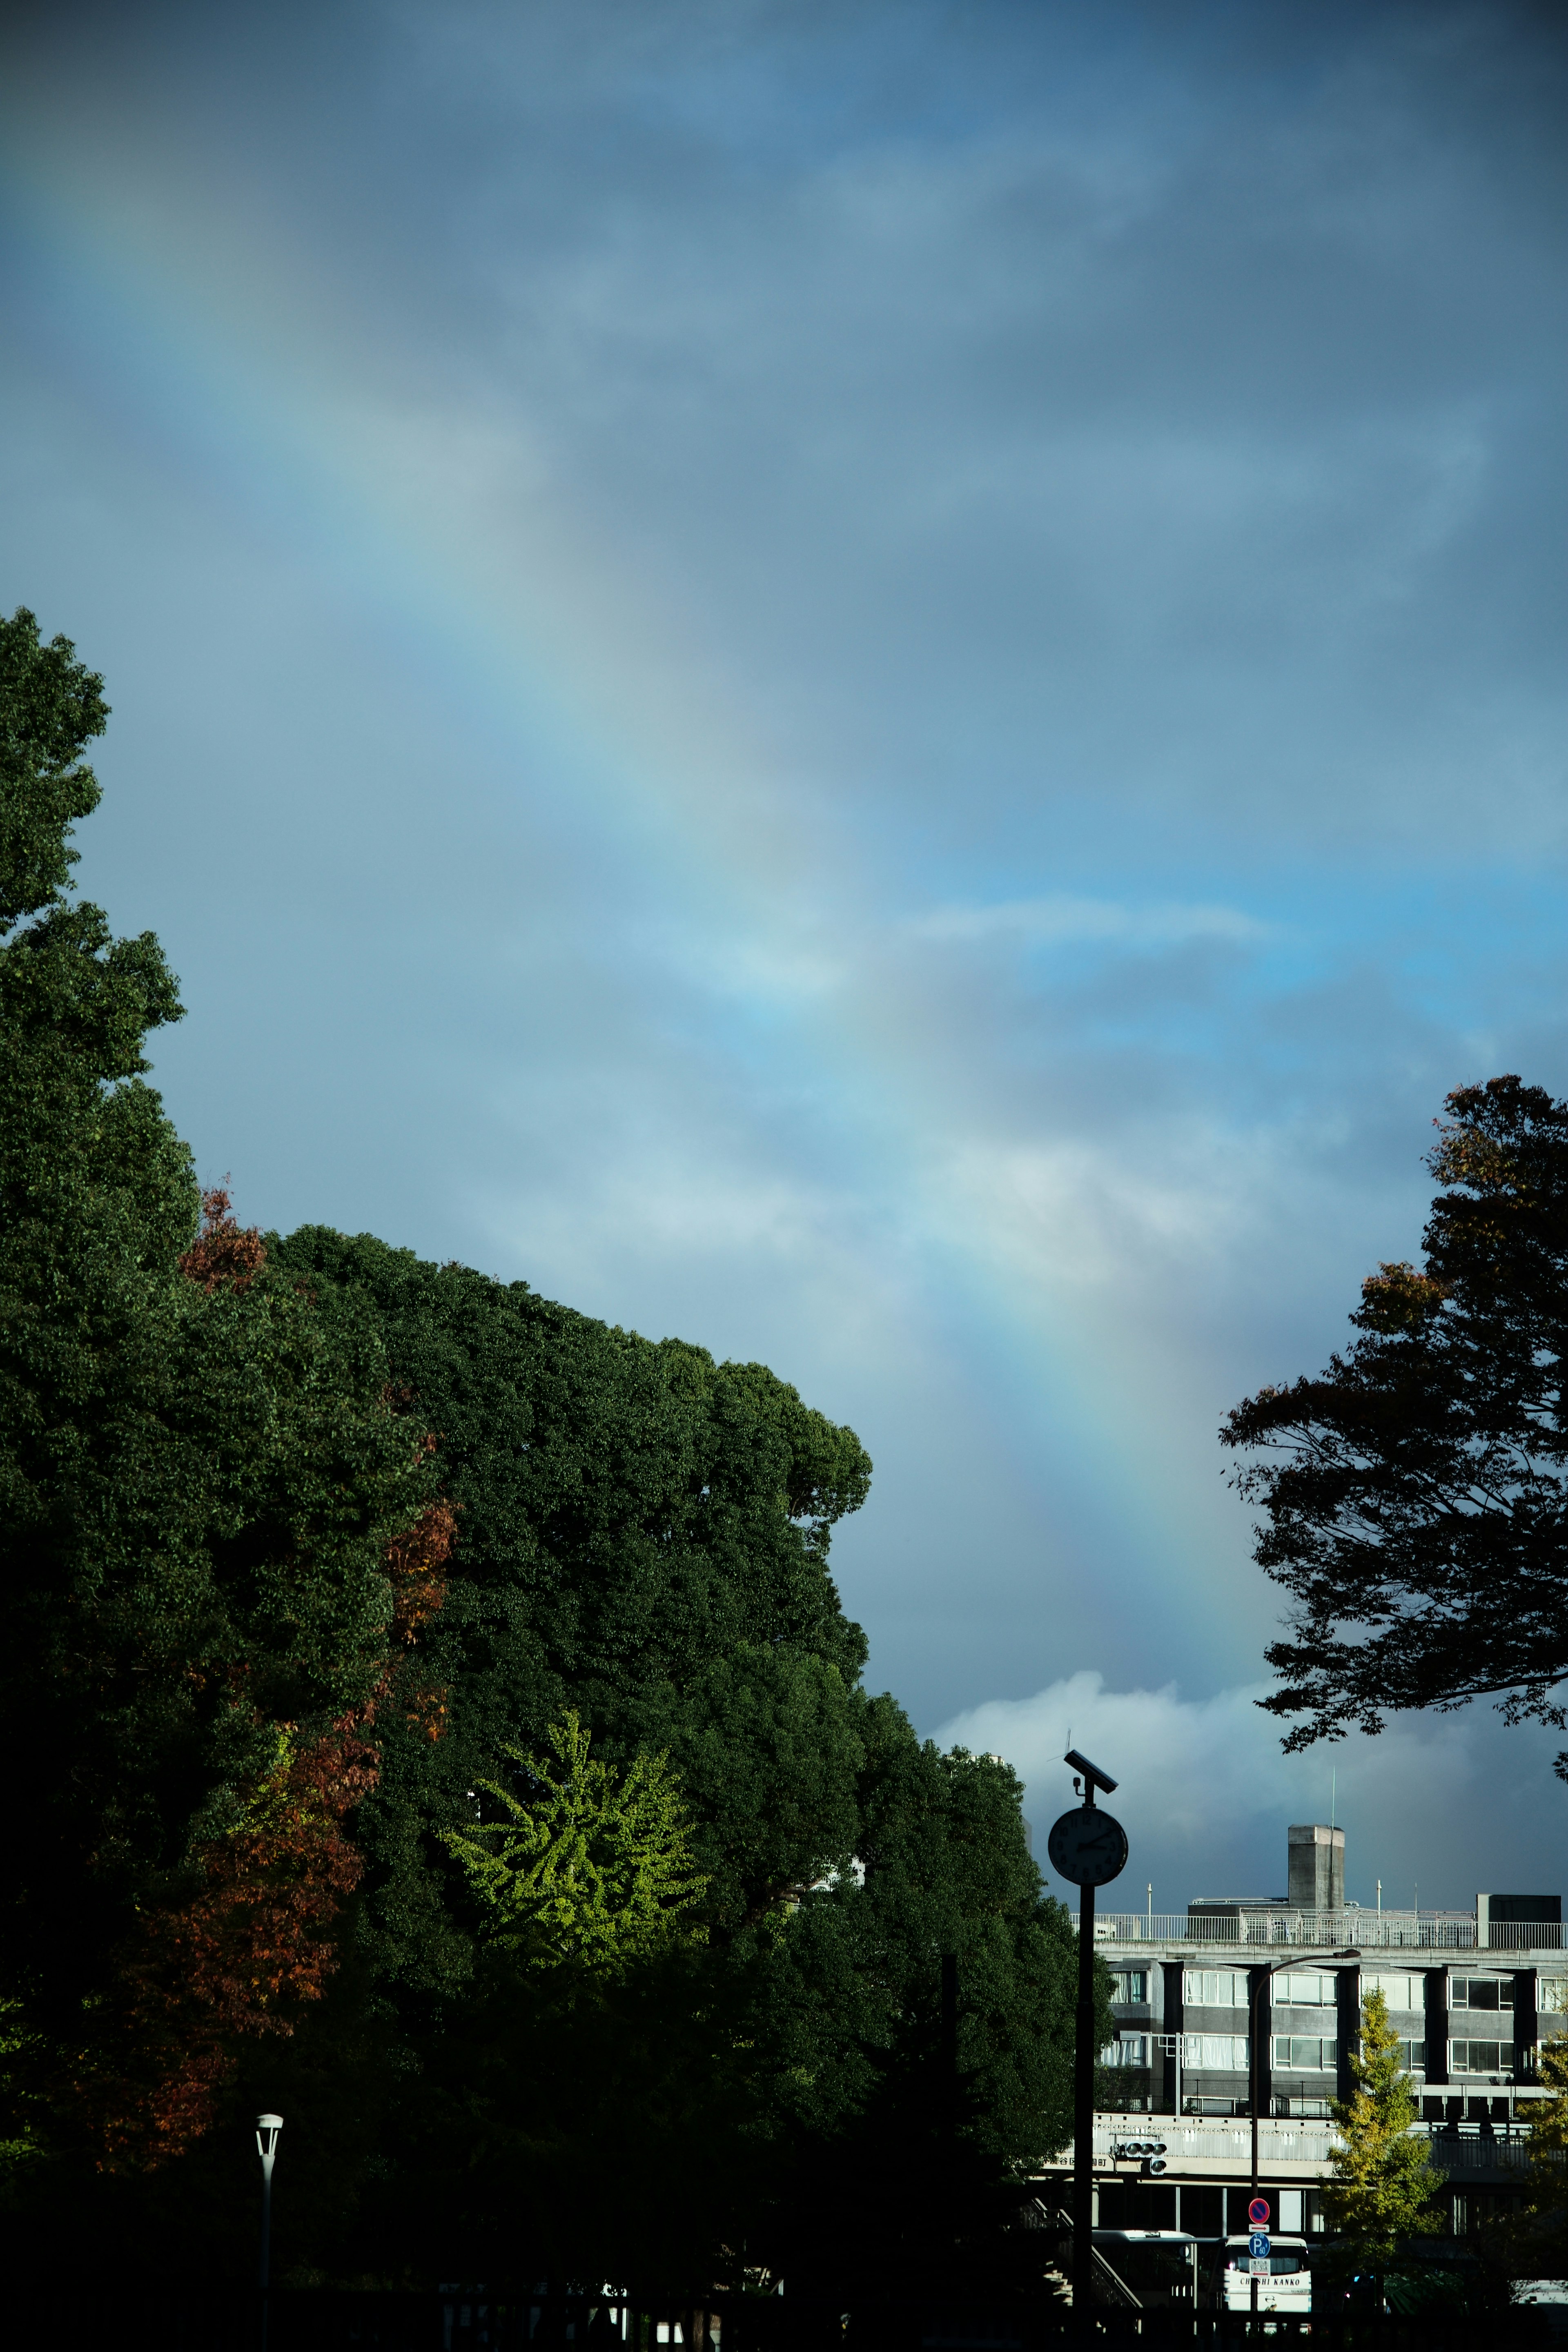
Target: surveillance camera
1091,1772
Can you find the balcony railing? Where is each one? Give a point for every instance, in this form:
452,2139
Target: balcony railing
1435,1931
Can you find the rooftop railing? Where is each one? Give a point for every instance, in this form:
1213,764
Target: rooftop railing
1441,1931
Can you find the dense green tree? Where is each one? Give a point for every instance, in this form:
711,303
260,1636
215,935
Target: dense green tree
643,1535
255,1669
644,1538
1416,1495
200,1473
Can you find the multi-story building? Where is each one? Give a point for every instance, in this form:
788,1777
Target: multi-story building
1471,1995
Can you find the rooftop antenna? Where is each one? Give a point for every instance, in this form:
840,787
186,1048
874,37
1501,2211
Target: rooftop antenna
1333,1796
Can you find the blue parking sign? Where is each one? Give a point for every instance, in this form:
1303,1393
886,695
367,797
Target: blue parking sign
1258,2245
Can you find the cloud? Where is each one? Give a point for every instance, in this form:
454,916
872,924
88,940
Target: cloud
1449,1803
881,689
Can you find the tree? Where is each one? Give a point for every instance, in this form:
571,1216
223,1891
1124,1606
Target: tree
205,1474
589,1867
858,2090
1416,1503
301,1542
1533,2243
1384,2183
645,1537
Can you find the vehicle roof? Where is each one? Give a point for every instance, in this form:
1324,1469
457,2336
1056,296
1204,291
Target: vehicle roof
1275,2238
1165,2237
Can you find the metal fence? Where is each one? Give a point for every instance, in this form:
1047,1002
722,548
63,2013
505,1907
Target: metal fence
1427,1931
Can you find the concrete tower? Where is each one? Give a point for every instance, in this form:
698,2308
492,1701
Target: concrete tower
1317,1867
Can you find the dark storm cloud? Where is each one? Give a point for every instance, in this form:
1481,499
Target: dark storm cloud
1059,515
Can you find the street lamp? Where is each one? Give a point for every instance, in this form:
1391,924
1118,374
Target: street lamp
266,2130
1295,1960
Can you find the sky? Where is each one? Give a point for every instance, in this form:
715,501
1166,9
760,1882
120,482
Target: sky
879,684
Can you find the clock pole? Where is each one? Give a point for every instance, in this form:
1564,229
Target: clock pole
1083,2103
1089,1849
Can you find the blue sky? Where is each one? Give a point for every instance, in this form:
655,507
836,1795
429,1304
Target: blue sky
879,684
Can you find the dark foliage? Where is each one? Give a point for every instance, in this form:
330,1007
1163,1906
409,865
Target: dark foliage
200,1474
297,1540
1416,1501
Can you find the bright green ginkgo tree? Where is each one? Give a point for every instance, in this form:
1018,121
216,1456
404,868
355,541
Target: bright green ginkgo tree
588,1864
1383,2181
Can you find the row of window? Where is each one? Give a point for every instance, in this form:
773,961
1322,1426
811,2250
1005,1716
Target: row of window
1302,2054
1229,1988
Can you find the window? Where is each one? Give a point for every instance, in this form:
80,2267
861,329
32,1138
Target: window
1130,1984
1481,1993
1215,1988
1480,2057
1218,2053
1401,1992
1305,2053
1305,1991
1132,2050
1552,1994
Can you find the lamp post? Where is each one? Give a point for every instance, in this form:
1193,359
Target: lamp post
1264,1975
266,2130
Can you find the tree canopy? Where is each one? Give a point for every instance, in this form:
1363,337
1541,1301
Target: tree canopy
202,1470
1416,1495
431,1713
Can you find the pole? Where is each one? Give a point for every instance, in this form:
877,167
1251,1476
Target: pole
266,2130
1083,2103
1256,2073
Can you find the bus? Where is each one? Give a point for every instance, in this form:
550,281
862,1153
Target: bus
1160,2267
1284,2277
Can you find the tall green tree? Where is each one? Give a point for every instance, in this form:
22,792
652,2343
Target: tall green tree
1384,2186
253,1666
644,1536
1532,2243
201,1472
1415,1496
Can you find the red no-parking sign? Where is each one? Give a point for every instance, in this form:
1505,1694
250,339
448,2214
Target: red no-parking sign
1257,2212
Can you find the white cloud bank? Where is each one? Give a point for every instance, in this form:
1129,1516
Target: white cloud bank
1453,1803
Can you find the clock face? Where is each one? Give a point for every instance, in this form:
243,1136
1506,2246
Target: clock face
1088,1847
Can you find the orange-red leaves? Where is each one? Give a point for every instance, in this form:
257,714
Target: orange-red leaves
223,1253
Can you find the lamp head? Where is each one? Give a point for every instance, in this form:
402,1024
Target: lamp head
266,2130
1091,1772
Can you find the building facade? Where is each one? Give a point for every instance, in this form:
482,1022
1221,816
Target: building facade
1471,1996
